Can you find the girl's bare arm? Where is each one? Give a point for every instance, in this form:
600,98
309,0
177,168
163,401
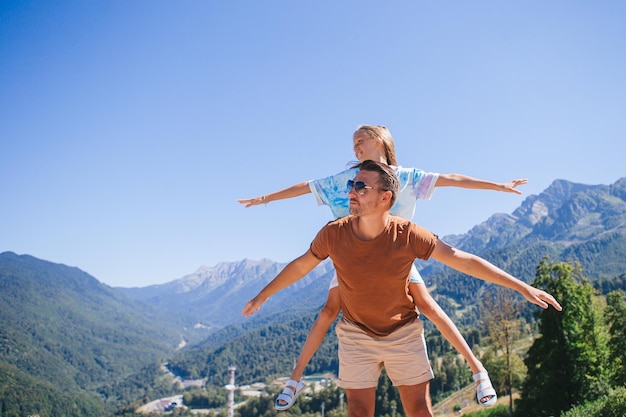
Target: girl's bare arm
464,181
289,192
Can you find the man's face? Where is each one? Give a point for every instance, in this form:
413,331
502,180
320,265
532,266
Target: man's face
371,199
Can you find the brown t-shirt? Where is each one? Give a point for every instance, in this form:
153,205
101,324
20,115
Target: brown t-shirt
373,275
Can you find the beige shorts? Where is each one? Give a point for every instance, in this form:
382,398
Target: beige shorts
402,353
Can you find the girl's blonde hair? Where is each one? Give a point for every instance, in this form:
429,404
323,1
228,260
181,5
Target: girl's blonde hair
383,136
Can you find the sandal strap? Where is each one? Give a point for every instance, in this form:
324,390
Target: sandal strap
292,383
287,395
485,389
480,375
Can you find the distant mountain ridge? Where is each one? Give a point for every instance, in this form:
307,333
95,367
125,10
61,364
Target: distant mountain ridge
585,224
213,297
558,214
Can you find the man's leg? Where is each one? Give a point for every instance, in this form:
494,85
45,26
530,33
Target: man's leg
407,365
359,368
361,402
415,400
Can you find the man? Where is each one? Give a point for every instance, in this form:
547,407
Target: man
372,252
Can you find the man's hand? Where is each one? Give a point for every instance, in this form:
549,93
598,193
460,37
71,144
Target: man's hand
253,306
541,298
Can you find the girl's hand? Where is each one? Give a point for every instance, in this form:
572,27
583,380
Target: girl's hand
249,202
509,187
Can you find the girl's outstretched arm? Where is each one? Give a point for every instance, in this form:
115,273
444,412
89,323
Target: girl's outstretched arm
463,181
289,192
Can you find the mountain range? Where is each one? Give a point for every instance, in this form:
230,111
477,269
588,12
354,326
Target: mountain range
568,221
64,334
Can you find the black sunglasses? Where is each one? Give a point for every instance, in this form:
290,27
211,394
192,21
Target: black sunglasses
360,187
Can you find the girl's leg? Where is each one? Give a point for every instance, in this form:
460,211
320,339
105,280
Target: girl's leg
316,335
429,307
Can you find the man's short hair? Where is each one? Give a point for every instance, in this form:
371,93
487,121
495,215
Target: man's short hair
388,178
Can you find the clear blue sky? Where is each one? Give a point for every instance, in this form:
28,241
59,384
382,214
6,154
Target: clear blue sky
128,129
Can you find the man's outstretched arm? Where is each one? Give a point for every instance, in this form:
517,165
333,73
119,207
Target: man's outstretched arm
293,272
479,268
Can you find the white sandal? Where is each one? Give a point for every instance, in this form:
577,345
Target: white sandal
485,389
289,395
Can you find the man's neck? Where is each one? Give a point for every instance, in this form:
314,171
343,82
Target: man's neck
369,227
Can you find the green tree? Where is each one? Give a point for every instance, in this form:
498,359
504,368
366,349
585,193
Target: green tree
616,317
499,372
501,315
611,405
567,363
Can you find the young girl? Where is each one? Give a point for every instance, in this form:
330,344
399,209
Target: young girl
376,143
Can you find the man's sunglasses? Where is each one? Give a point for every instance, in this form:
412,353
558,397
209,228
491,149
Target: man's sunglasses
359,187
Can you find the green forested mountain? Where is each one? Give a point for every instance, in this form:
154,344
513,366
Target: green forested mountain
22,395
83,348
576,223
262,354
61,331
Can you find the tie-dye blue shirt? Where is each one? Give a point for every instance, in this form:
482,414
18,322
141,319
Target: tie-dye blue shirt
415,184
